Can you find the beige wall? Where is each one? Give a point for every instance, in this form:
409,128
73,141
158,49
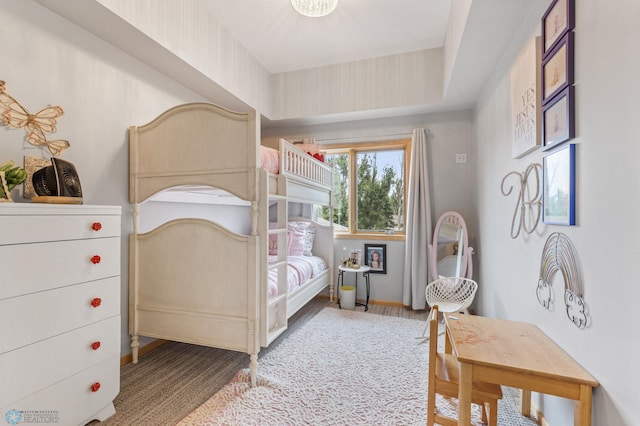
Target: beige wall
47,61
607,232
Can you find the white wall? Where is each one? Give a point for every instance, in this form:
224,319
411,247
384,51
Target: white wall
606,235
452,184
47,61
413,78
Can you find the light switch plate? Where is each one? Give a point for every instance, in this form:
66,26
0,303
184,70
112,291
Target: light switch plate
461,158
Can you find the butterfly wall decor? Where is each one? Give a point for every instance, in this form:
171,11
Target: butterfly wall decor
14,115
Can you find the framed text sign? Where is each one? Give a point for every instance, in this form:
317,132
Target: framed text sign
525,100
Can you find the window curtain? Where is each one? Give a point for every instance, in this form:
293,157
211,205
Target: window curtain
418,226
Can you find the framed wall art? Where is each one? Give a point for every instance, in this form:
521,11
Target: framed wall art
376,257
559,186
557,68
558,20
558,119
525,100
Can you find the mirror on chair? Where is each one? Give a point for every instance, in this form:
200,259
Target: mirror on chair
450,254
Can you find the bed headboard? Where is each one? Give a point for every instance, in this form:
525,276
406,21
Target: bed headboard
195,144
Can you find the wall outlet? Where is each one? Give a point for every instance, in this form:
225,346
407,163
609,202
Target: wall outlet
461,158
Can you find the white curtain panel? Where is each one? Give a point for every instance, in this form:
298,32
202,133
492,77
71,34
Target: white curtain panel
418,227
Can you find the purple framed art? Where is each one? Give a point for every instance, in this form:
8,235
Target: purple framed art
557,68
556,22
558,119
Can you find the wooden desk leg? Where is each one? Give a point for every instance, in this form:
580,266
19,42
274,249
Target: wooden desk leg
464,394
582,410
525,402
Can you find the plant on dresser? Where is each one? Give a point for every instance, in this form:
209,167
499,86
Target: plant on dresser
59,312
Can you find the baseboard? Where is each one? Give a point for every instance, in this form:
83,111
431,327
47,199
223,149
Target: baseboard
142,351
387,303
538,414
371,302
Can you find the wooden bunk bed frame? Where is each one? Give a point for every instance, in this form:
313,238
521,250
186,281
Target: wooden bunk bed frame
192,280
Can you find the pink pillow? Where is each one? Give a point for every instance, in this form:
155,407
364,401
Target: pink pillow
301,236
269,159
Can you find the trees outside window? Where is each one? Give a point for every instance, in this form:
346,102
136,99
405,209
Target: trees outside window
369,187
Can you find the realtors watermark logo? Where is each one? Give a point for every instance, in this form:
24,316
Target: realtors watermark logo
13,417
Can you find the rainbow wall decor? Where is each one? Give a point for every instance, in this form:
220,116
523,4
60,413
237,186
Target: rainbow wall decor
559,254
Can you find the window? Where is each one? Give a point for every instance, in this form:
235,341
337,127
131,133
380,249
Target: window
369,187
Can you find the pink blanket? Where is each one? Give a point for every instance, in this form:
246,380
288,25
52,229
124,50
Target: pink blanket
270,159
300,269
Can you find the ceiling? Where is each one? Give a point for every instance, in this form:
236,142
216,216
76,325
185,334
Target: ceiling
283,40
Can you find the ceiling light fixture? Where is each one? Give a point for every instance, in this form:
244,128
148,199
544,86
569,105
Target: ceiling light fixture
314,8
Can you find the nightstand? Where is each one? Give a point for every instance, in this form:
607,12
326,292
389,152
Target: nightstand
365,273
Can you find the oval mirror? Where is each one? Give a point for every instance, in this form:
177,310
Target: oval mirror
450,254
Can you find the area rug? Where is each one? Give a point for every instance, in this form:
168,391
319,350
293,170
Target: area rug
340,368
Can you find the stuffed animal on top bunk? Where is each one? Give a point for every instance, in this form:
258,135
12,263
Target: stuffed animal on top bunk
311,149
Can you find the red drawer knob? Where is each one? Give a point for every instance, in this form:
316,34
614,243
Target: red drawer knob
95,259
95,346
96,301
95,387
96,226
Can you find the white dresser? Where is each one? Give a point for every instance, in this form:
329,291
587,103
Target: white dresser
59,312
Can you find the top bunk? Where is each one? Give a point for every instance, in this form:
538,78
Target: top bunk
204,148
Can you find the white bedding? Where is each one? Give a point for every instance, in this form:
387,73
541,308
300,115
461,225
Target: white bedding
300,269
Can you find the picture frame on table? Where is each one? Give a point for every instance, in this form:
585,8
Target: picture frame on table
355,255
559,186
558,20
558,119
557,69
375,257
32,165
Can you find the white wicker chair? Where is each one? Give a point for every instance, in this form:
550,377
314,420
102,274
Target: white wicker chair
450,294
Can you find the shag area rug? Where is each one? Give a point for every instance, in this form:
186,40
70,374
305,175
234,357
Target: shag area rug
340,368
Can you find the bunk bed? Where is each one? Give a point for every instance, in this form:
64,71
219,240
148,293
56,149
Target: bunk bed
220,279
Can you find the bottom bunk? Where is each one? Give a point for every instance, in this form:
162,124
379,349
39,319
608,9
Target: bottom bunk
194,281
306,277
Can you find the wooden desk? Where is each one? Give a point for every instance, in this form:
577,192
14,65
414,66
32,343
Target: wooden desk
518,355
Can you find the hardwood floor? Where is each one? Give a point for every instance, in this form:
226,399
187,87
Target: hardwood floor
174,379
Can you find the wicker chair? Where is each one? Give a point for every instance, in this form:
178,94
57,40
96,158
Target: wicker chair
451,294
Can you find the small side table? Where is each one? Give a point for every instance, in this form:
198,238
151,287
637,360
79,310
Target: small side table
365,273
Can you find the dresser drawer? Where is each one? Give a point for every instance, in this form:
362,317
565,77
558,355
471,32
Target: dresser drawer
28,319
33,223
73,401
44,266
49,361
